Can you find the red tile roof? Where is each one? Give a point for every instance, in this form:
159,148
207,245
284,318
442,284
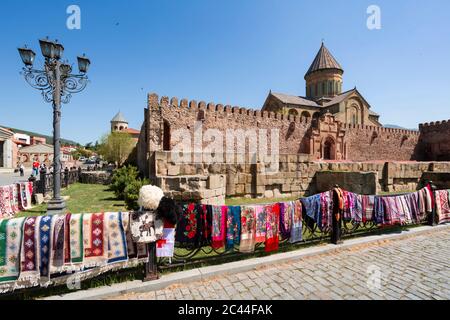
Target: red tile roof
132,131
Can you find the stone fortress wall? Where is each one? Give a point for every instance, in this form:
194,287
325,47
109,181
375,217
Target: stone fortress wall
435,140
388,154
361,143
368,143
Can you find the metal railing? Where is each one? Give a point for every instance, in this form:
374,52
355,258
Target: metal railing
45,183
197,254
187,254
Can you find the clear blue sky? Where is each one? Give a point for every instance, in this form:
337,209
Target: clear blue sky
230,52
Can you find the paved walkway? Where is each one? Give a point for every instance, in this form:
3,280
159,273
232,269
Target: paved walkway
10,178
416,267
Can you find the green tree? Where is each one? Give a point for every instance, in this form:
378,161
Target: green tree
116,147
82,152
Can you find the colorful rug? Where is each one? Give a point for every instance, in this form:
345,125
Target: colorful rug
358,212
347,205
188,224
165,247
326,208
10,241
3,203
429,198
273,221
117,243
11,206
392,211
76,240
248,229
29,270
406,214
67,240
24,196
443,206
261,224
378,210
233,227
219,223
30,189
44,244
285,220
205,224
295,211
368,206
58,242
312,208
6,199
137,252
145,227
15,200
95,240
414,200
131,246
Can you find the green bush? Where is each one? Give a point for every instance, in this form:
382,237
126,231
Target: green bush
131,193
121,178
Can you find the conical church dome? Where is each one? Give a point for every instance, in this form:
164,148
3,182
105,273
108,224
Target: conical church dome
323,60
324,76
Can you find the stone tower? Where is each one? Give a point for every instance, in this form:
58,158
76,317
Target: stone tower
119,123
324,77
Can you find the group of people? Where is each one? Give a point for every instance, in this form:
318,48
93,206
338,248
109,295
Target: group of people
36,166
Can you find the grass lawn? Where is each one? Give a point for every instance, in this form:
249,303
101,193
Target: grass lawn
85,198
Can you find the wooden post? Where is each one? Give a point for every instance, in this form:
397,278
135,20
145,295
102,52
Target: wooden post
336,219
151,268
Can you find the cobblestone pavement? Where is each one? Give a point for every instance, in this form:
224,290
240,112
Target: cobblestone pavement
416,267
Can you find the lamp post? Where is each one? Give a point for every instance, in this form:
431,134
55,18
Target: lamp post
57,84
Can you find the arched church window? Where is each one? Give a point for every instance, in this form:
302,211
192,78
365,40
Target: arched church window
305,116
353,114
315,119
293,112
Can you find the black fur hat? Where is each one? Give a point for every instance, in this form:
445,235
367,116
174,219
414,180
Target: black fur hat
168,210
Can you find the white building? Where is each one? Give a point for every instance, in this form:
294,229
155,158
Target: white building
7,149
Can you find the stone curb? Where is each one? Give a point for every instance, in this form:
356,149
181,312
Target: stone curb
235,267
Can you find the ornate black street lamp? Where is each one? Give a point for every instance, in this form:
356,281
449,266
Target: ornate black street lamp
57,84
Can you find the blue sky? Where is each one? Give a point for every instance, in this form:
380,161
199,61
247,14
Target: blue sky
230,52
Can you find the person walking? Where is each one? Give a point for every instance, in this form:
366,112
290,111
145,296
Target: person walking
36,166
21,169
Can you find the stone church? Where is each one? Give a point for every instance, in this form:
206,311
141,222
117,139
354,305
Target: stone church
324,94
120,124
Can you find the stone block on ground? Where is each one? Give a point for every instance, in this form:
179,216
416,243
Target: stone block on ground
39,198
